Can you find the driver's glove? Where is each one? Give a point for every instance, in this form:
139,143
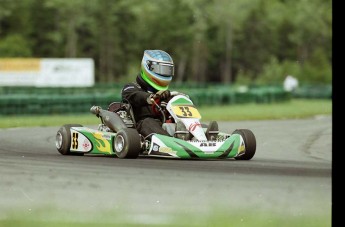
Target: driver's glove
162,95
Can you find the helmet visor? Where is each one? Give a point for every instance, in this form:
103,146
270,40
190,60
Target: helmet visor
162,68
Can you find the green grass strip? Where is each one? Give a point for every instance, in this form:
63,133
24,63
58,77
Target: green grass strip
216,218
294,109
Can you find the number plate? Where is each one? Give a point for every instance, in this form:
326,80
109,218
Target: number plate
186,111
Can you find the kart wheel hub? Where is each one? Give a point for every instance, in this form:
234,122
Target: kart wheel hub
58,140
119,143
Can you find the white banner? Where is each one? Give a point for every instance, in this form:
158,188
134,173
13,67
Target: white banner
47,72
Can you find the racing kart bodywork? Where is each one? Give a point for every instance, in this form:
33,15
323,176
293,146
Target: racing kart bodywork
189,138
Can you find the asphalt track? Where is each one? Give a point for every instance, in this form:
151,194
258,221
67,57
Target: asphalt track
291,174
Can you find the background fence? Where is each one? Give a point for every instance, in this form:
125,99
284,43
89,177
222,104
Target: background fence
33,100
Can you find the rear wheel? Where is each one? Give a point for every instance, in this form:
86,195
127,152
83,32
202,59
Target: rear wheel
127,143
249,142
63,139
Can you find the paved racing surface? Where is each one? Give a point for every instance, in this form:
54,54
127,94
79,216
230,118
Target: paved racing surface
290,174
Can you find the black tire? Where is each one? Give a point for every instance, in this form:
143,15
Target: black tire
250,143
127,143
63,139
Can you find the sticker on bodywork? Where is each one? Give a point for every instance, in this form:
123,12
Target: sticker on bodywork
102,142
186,111
79,142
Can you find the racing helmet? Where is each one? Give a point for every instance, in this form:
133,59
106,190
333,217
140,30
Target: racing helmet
157,69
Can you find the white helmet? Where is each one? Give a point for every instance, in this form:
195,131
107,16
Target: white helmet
157,69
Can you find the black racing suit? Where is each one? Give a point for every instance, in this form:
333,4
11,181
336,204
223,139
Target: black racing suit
147,121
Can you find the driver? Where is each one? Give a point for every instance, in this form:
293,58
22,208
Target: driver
157,71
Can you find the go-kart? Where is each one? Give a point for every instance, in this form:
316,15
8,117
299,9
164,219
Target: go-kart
189,138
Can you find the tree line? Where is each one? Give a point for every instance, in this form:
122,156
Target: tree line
224,41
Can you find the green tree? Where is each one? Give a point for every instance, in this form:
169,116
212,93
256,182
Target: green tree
227,18
210,40
14,46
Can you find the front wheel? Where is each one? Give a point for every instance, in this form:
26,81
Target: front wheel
127,143
63,139
249,143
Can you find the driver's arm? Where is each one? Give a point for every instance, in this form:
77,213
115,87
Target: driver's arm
135,95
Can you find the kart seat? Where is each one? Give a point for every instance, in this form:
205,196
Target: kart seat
125,112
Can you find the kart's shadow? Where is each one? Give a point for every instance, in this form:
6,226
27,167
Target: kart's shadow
185,159
160,158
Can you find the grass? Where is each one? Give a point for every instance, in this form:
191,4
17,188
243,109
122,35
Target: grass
217,218
294,109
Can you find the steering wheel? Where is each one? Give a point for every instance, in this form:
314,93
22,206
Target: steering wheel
157,105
